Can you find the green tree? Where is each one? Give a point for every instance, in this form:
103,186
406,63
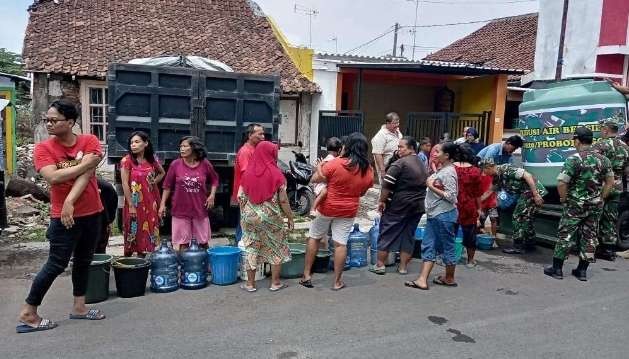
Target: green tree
11,63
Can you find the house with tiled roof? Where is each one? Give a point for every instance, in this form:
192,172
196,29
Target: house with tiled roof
507,42
69,45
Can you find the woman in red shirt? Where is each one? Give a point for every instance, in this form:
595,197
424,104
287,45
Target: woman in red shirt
140,173
468,200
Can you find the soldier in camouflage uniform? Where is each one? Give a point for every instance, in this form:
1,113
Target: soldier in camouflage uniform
516,181
617,152
583,184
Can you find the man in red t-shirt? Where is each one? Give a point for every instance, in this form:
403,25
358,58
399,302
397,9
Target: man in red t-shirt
255,135
67,162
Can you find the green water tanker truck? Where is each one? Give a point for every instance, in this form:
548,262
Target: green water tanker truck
547,120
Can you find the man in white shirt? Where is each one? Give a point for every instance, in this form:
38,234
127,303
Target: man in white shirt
385,143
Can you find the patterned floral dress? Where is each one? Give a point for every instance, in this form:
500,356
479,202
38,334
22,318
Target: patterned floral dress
264,235
141,235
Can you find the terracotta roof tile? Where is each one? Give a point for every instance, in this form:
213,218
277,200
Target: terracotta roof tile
506,43
99,32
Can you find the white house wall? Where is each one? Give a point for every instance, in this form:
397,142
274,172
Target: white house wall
580,43
325,75
582,34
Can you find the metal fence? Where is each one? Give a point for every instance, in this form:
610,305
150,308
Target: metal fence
338,124
435,124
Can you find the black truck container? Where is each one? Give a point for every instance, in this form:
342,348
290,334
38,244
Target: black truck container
171,102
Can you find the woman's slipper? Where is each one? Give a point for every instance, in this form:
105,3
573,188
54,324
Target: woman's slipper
306,283
440,281
336,289
413,284
248,289
275,289
403,271
44,324
92,314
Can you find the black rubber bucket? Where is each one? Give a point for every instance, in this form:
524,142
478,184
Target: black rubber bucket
131,275
322,261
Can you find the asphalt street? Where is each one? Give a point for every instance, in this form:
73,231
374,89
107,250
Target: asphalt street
504,308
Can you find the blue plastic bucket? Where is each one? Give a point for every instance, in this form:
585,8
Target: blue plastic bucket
419,233
484,241
224,263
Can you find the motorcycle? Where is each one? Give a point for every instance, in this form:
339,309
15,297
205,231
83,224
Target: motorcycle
298,174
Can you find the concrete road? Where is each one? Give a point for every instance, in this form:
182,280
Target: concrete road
504,308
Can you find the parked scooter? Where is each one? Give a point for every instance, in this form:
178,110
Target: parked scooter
298,174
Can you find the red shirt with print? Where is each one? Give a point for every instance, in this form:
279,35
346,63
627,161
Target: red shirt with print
51,152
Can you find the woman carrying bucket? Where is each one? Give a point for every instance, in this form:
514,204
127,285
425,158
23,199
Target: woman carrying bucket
140,173
440,203
187,180
263,200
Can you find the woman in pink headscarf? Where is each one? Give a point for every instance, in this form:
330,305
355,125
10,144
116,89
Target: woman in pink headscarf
263,198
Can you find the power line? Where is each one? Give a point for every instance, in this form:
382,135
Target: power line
477,2
451,24
390,30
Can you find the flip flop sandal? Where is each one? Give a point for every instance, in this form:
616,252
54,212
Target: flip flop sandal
378,270
44,324
440,281
248,289
306,283
92,314
275,289
336,289
413,284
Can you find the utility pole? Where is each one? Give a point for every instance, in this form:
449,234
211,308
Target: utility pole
299,9
562,37
415,25
397,27
402,50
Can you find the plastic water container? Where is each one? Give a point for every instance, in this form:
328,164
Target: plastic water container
458,248
164,269
484,241
419,233
357,246
224,263
242,272
194,267
374,233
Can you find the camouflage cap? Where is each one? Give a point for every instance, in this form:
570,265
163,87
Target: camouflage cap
583,133
612,125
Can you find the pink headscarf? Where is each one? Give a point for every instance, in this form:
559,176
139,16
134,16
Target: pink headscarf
262,178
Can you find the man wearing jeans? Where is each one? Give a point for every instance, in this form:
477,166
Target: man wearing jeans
67,162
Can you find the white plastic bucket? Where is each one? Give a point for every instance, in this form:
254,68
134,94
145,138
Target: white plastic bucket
260,272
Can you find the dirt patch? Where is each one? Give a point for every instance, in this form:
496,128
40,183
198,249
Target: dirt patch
22,261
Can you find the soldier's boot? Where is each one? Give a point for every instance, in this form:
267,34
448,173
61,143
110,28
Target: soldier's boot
556,270
518,248
606,252
580,272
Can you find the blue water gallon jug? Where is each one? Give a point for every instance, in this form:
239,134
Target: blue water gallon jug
374,234
194,265
164,269
358,245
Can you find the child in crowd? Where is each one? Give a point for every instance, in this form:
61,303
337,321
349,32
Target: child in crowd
489,206
333,146
425,145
